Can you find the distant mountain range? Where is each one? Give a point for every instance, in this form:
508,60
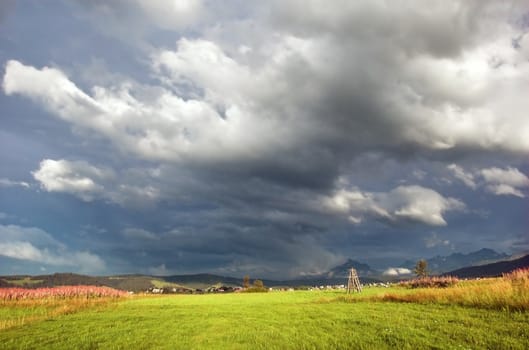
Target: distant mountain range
481,263
139,283
490,270
441,264
436,265
342,271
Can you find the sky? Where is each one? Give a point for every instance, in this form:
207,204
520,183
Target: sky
269,138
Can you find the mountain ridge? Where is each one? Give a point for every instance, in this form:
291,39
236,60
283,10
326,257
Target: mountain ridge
490,270
336,275
343,269
137,283
440,264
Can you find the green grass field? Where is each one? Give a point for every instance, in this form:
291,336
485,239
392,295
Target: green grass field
276,320
26,281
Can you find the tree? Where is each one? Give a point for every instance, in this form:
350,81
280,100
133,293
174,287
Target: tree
421,268
246,282
257,286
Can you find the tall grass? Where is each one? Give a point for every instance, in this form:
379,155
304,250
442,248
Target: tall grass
20,306
8,294
510,292
430,282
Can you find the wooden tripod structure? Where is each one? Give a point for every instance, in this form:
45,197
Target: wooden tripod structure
353,284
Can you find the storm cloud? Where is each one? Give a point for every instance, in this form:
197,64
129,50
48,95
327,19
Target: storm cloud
276,139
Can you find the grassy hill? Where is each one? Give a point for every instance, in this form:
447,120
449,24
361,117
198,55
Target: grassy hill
277,320
138,283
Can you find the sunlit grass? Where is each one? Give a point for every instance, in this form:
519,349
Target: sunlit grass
22,306
22,312
511,292
460,317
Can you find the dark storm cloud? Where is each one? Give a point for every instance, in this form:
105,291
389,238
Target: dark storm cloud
276,139
443,29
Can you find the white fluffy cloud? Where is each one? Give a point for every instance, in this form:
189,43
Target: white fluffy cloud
461,174
161,126
509,176
504,190
410,94
76,177
191,64
508,181
53,90
89,182
396,271
35,245
402,204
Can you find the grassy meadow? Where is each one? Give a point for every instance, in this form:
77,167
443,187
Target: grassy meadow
377,318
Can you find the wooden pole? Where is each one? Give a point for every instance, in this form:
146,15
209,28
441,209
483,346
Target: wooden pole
353,282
